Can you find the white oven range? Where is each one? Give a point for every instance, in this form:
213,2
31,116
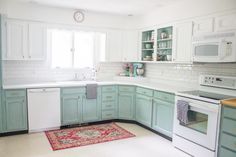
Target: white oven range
199,136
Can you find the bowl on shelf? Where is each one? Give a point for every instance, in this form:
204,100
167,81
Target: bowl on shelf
148,46
147,58
168,57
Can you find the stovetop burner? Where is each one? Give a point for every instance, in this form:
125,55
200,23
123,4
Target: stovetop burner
208,95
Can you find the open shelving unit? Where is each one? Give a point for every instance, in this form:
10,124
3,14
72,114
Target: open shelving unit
164,43
157,45
148,45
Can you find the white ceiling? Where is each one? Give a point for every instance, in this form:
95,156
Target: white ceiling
122,7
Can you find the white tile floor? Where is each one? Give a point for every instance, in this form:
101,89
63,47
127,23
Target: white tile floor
145,144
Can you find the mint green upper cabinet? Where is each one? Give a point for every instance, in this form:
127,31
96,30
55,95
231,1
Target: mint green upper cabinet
126,105
163,113
144,109
15,110
71,109
92,108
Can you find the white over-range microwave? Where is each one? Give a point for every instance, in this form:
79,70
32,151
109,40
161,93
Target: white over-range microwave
215,47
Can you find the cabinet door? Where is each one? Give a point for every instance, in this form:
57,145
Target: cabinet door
71,109
114,50
37,41
16,114
16,40
182,42
126,106
144,109
91,110
203,26
1,115
163,114
226,22
130,53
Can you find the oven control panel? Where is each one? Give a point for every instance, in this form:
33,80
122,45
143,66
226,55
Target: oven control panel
218,81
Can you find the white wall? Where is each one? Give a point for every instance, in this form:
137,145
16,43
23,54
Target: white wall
48,14
184,10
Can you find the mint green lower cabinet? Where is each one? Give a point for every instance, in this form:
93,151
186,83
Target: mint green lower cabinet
71,108
92,108
16,118
144,109
227,140
163,113
126,105
223,152
15,108
109,102
1,114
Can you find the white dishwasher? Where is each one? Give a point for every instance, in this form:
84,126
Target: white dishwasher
43,109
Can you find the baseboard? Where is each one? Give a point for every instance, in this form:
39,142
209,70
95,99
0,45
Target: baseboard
118,120
94,123
14,133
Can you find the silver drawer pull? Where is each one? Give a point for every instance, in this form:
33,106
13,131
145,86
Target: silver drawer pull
108,114
108,97
108,105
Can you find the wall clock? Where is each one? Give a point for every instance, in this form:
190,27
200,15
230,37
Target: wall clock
79,16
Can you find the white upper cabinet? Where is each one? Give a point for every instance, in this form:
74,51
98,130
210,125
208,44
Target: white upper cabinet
122,46
201,26
37,41
182,42
114,49
130,53
25,41
16,40
225,22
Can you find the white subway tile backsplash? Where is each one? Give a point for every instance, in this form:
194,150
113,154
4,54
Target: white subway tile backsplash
185,73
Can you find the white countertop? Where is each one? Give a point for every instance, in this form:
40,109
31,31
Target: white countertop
155,86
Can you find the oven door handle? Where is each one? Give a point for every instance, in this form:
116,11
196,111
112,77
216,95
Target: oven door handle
206,107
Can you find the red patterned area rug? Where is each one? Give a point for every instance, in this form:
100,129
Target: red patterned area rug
82,136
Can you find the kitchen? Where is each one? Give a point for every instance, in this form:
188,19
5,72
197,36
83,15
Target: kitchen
90,77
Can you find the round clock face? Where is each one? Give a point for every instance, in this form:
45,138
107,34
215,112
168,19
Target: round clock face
79,16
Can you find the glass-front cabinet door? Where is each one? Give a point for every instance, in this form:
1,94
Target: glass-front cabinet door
147,47
164,44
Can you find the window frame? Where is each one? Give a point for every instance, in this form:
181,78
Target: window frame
96,52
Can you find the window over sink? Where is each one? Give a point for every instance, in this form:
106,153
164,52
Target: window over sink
76,49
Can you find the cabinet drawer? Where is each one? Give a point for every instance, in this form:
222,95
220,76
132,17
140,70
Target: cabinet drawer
226,153
108,88
73,90
111,114
228,141
164,96
229,112
126,89
108,97
108,105
229,126
144,91
15,93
